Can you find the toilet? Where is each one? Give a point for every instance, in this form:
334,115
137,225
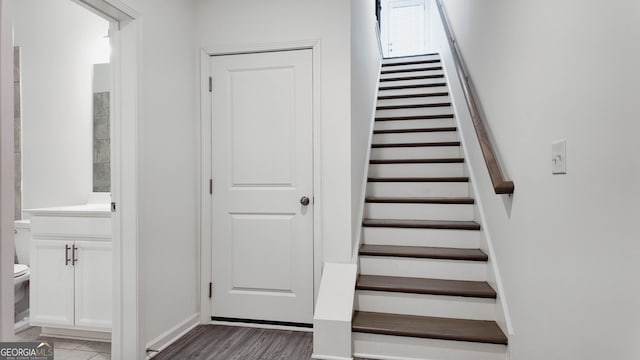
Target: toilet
21,270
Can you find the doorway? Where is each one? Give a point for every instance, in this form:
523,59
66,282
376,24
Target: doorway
262,203
403,27
126,32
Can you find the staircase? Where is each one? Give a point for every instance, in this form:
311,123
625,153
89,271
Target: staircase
422,292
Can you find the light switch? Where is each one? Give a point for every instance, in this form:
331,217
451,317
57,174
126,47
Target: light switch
559,157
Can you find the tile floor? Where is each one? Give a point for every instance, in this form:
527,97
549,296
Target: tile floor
65,349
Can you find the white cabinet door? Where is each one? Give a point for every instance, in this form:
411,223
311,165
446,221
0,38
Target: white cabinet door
51,294
93,285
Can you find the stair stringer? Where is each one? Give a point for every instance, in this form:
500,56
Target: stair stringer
475,169
357,239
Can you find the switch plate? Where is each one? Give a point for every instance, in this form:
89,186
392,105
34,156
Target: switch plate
559,157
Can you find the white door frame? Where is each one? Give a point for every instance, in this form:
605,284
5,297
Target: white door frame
126,31
205,159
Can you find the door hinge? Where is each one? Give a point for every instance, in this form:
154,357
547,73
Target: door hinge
210,186
210,290
113,207
211,84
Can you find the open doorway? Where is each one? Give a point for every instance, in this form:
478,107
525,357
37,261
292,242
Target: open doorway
125,31
404,27
62,172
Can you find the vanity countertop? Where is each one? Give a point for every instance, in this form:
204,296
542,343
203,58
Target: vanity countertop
90,210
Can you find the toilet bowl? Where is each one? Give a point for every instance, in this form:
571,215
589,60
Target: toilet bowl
21,271
21,274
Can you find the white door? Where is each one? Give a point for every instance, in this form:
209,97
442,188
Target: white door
406,27
262,164
51,286
93,285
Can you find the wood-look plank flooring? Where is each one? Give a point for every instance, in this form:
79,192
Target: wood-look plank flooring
240,343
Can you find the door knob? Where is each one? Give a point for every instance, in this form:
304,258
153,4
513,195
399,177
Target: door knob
304,200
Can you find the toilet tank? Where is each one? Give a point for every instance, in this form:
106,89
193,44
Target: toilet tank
22,236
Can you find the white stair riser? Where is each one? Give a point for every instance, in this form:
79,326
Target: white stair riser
456,307
466,239
414,124
416,170
411,91
415,137
414,101
440,110
419,211
427,268
385,84
411,59
410,74
427,152
374,346
426,189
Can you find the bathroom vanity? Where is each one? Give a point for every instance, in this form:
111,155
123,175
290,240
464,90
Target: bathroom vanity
71,271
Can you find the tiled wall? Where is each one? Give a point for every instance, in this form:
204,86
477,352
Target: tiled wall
17,132
101,143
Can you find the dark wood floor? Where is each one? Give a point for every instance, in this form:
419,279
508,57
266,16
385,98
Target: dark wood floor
241,343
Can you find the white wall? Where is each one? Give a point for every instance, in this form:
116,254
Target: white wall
60,42
221,24
567,244
168,166
365,70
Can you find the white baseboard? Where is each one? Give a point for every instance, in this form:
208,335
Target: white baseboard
170,336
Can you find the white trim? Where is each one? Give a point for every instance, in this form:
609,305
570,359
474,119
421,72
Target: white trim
205,146
170,336
205,200
126,35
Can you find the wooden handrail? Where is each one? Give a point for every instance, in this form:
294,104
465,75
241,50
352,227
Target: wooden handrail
500,184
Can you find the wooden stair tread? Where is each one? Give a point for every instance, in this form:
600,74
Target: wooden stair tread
395,71
414,117
419,77
413,86
414,62
423,144
417,161
424,252
479,289
416,95
419,179
420,130
420,200
413,106
482,331
422,224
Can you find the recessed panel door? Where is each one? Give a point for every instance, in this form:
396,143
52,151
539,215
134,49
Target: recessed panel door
262,170
406,28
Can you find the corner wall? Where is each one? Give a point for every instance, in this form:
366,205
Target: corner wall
168,170
566,244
